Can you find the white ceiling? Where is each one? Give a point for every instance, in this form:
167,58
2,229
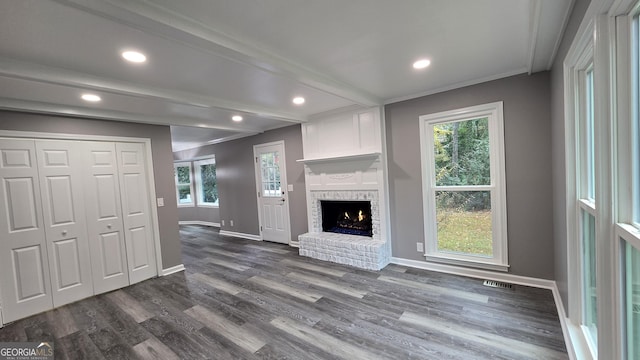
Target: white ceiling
209,60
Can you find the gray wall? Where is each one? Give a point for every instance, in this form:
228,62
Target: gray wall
557,146
195,213
528,168
162,162
236,179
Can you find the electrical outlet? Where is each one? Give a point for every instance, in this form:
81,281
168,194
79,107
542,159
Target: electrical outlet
222,222
420,247
231,223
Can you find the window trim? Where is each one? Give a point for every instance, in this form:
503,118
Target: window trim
494,111
176,165
198,182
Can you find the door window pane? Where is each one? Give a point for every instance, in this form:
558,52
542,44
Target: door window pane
589,274
464,222
270,170
461,153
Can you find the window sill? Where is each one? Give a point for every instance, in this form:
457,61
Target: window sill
208,206
186,205
469,263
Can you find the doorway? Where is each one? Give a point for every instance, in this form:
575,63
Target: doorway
271,182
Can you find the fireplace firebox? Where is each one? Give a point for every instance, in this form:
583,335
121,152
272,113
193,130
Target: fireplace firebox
347,217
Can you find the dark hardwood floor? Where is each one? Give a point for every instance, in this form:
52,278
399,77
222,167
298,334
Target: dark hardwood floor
241,299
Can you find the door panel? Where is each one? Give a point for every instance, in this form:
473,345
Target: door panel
24,279
136,212
104,217
66,252
60,200
111,247
61,185
29,275
21,205
272,199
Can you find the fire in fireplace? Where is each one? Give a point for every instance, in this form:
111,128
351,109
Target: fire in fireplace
347,217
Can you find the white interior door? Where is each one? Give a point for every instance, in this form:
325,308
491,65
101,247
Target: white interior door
104,217
24,277
273,206
136,212
61,185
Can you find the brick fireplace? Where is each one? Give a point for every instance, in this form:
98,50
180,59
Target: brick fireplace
346,171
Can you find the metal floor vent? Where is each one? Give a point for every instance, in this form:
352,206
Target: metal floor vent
497,284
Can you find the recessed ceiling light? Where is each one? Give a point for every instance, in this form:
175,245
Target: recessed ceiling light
236,118
91,97
298,100
421,64
134,56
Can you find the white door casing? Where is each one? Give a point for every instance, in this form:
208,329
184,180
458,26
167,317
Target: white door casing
104,217
136,212
24,279
61,185
273,202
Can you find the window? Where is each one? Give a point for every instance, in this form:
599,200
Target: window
463,183
206,185
586,200
184,188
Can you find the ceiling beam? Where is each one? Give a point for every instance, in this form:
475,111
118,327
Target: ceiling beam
100,114
154,19
46,74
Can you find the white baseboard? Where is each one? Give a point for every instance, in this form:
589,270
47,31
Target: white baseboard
241,235
203,223
172,270
572,346
477,273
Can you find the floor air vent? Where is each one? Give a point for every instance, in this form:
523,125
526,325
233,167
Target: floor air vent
497,284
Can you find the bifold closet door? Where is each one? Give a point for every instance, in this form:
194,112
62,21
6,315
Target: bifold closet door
104,217
60,167
24,267
136,212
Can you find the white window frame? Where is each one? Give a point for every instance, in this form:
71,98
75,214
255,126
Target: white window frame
494,113
176,165
627,228
198,182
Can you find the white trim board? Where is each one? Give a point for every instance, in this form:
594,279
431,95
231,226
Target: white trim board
510,278
172,270
197,222
241,235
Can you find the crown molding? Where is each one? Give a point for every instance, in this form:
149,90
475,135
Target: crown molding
457,86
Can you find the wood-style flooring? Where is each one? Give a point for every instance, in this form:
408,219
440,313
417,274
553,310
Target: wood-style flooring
241,299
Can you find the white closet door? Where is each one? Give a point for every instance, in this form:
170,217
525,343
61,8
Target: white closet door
136,212
61,184
104,217
24,273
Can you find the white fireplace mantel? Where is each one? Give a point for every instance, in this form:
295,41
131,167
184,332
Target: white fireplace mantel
344,160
